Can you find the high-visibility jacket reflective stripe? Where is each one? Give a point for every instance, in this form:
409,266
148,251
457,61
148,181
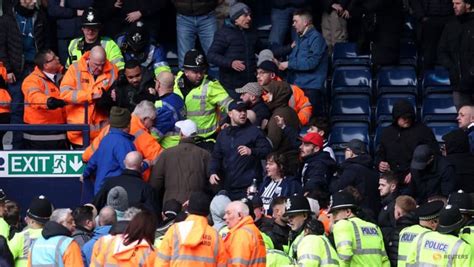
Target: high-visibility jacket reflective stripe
408,237
315,250
112,51
49,252
277,258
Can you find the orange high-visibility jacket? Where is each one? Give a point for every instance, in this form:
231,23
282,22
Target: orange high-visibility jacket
37,88
5,98
71,257
114,253
244,245
300,103
77,88
144,142
191,243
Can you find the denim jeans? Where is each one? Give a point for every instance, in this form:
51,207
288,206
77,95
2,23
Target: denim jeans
281,23
188,27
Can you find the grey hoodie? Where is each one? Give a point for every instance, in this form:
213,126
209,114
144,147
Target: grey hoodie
218,205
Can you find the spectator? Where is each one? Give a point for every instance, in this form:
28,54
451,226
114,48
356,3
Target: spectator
431,174
107,217
277,182
196,88
6,99
235,161
85,224
134,247
108,160
281,14
267,71
357,171
56,234
12,216
453,57
404,214
334,22
182,169
96,75
307,64
399,140
280,230
251,94
431,18
218,205
242,231
134,86
261,220
37,215
68,20
466,121
41,89
18,47
459,156
138,192
233,50
195,18
90,28
169,110
136,44
278,95
117,198
317,165
171,209
203,244
322,126
388,189
4,227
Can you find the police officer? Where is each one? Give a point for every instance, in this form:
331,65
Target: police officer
464,202
201,96
428,214
90,28
358,243
36,216
442,247
136,44
299,213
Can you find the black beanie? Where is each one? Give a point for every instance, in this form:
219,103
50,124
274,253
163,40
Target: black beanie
199,204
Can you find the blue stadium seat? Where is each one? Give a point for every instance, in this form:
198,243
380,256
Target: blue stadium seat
351,108
383,110
397,80
352,80
438,107
408,54
378,133
436,81
342,133
345,54
442,128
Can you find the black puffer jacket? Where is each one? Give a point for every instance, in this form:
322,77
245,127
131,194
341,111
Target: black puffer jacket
11,43
459,155
232,43
392,245
359,173
386,218
194,7
397,144
317,171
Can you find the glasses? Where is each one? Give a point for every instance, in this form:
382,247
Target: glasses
53,59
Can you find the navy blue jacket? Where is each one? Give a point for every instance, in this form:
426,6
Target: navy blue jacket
232,43
317,171
67,21
238,171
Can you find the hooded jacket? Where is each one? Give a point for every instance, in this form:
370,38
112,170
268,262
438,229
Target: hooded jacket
359,173
398,144
218,205
317,171
458,154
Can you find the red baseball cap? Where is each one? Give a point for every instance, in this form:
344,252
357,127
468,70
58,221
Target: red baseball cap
313,138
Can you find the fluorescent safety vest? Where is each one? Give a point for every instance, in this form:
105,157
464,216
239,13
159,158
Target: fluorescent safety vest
49,252
407,239
20,245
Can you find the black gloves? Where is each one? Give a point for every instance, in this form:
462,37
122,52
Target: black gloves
54,103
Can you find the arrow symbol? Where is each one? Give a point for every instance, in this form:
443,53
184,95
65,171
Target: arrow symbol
75,164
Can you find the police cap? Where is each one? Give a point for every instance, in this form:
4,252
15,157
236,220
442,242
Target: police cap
195,60
40,209
341,200
90,18
450,219
297,204
462,200
430,210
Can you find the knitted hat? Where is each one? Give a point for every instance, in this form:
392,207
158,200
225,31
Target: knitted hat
40,209
238,9
264,55
269,66
119,117
171,208
251,88
199,204
117,198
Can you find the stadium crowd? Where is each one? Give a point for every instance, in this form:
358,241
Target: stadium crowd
234,170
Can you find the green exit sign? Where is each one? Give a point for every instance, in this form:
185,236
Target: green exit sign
44,163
